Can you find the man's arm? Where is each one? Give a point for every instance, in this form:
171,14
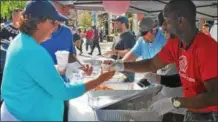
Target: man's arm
148,65
208,98
129,57
73,58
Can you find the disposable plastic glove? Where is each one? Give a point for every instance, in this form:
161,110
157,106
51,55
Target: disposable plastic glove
158,97
162,106
152,78
117,66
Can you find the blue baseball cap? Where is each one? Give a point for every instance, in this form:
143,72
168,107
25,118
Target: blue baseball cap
43,8
122,19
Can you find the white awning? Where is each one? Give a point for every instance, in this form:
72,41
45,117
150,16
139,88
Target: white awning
205,8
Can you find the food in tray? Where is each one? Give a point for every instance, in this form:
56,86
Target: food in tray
119,75
102,87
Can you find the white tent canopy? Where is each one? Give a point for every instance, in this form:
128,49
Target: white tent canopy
205,8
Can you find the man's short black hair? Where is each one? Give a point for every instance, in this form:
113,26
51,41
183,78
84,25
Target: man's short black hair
182,8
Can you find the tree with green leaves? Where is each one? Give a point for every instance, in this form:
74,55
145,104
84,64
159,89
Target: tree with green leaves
8,6
85,19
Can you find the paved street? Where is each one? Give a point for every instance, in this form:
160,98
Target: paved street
104,47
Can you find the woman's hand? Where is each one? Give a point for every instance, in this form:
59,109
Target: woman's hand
105,76
99,80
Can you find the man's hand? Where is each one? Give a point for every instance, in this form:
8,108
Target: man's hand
152,78
162,106
205,99
112,52
87,69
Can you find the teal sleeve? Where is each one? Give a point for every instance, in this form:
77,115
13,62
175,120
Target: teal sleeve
41,68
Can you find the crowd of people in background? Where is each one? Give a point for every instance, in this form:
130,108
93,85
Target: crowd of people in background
90,37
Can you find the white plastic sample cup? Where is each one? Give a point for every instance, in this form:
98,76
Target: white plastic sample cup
62,59
106,64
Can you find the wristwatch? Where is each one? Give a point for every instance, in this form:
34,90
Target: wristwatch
176,103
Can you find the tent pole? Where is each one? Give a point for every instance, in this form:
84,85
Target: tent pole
139,9
207,15
201,6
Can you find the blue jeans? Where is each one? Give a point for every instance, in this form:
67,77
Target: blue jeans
88,43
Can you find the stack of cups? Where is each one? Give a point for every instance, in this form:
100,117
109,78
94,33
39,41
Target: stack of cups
62,59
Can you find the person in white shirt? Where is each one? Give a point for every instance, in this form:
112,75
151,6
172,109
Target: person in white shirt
213,30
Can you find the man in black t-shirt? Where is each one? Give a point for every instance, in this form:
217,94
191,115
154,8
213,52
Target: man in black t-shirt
7,34
123,45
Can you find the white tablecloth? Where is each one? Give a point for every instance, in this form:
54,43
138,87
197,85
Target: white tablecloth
79,109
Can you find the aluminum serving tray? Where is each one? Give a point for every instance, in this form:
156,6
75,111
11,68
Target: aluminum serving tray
132,107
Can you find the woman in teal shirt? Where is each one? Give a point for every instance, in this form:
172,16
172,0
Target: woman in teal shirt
32,88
